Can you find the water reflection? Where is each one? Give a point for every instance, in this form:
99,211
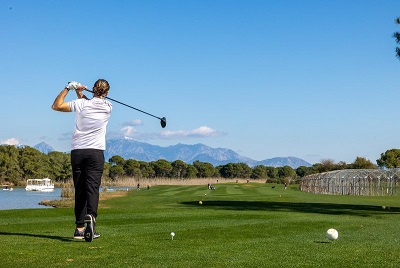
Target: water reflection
19,198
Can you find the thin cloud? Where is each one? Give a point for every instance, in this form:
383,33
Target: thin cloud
133,123
65,136
129,128
11,141
128,131
201,132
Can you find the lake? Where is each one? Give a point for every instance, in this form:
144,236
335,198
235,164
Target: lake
19,198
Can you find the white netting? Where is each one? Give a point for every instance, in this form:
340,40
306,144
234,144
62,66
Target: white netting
373,182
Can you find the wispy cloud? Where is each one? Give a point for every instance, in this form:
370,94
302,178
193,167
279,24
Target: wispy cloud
130,130
65,136
11,141
201,132
133,123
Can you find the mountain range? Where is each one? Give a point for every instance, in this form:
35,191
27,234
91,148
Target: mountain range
142,151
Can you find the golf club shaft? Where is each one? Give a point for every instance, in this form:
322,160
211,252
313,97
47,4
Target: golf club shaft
128,106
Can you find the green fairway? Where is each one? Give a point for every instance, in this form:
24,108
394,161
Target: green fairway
237,225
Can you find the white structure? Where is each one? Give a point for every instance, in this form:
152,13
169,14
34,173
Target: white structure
41,185
370,182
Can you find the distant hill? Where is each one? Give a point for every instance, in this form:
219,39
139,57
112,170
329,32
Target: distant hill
131,149
43,147
284,161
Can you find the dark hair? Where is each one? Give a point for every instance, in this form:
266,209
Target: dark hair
101,87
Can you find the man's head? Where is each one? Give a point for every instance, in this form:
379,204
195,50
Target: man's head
101,88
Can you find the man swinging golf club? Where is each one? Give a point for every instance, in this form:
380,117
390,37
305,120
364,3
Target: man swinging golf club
87,151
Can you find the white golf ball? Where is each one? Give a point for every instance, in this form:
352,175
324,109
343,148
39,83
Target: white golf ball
332,234
172,234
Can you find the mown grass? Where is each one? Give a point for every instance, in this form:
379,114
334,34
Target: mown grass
238,225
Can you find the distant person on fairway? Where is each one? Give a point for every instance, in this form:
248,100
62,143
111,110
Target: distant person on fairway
87,151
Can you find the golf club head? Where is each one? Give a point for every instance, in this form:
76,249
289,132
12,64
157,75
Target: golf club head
163,122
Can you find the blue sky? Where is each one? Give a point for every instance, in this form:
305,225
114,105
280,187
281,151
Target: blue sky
311,79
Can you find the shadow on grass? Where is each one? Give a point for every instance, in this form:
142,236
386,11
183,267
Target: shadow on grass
320,208
322,242
60,238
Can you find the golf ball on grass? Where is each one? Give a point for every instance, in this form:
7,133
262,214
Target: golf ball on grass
172,235
332,234
200,202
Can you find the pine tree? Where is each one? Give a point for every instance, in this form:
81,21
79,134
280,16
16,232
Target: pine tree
396,35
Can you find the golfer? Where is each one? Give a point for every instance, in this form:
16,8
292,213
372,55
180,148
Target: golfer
87,151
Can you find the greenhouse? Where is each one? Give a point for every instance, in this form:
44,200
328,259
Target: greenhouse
372,182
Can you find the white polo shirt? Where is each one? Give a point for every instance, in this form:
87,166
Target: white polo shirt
90,123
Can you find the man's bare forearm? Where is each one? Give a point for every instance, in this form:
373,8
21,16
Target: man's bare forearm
59,104
80,94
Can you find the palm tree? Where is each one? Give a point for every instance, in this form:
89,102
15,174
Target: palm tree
397,36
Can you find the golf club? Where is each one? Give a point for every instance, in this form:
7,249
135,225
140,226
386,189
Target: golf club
163,120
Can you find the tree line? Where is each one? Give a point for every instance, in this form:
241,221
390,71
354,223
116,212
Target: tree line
20,163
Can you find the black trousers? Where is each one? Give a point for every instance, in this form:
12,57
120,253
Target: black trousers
87,169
